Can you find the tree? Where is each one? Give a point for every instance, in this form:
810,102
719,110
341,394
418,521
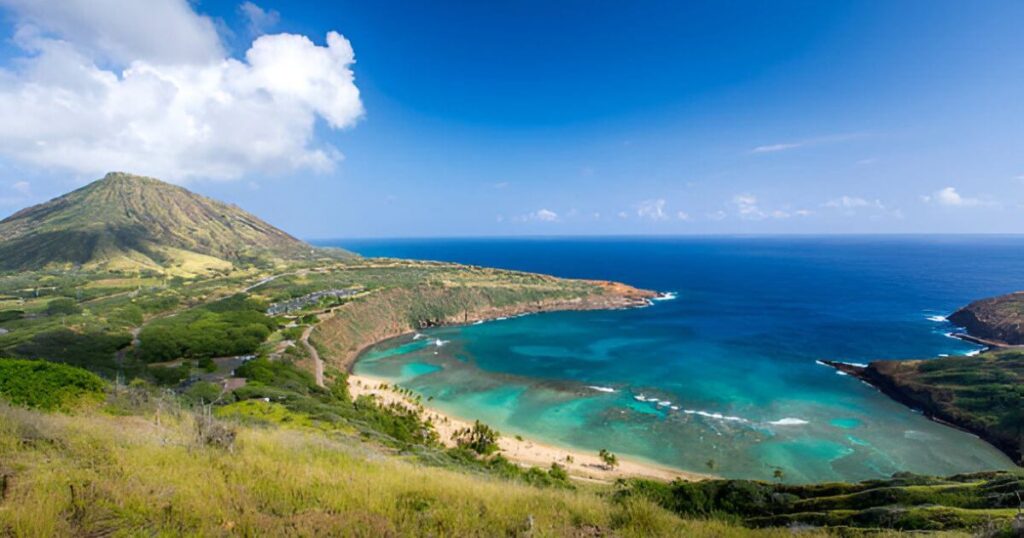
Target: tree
711,464
610,460
778,474
62,306
479,438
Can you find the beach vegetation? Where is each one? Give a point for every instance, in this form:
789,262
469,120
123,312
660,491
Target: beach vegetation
479,438
609,460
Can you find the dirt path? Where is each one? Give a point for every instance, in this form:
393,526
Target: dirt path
318,364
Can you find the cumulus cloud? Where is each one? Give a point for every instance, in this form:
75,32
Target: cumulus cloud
541,215
746,206
951,198
683,215
146,87
748,209
651,209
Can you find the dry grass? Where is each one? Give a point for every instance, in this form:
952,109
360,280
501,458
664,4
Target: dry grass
94,474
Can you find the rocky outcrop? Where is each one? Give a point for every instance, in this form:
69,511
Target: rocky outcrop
996,321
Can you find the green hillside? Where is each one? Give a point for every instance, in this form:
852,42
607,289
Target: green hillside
127,222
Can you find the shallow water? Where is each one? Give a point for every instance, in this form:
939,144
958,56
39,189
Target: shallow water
727,371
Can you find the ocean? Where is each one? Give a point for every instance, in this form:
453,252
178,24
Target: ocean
723,378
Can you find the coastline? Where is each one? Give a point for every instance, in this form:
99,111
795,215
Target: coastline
584,465
331,332
876,375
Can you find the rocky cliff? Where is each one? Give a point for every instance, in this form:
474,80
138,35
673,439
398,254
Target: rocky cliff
996,320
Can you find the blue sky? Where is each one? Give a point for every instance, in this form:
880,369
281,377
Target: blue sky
533,118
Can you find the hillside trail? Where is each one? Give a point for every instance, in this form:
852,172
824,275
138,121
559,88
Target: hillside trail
318,363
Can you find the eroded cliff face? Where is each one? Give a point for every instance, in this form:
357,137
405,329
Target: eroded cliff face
390,313
997,319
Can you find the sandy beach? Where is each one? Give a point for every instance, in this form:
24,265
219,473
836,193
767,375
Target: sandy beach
584,465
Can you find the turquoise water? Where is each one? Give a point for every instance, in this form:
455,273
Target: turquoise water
727,371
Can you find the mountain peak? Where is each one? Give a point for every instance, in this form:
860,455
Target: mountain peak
127,221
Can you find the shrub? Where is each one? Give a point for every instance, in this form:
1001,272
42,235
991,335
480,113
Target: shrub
47,385
94,350
11,315
213,432
170,375
62,306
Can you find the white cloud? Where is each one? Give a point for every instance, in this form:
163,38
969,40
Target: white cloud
771,148
22,187
541,215
847,202
748,209
623,215
651,209
683,215
156,31
853,202
20,193
951,198
774,148
260,20
546,215
176,107
717,215
746,206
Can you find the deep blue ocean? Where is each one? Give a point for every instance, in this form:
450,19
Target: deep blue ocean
723,378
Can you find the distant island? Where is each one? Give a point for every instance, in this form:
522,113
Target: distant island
983,393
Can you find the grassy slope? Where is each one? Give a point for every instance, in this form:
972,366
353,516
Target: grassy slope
93,474
908,502
136,223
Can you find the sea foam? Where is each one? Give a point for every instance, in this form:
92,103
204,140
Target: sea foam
717,416
600,388
788,421
937,318
667,296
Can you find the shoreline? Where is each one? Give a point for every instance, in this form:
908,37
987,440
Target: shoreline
584,465
615,296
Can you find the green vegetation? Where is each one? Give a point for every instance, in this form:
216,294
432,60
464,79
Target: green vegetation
232,326
62,306
47,385
480,438
905,502
610,460
150,474
258,447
